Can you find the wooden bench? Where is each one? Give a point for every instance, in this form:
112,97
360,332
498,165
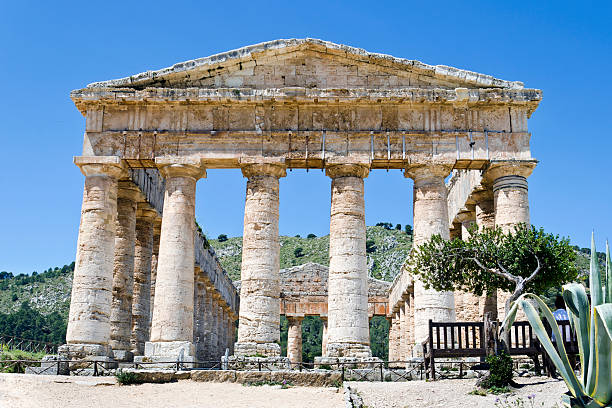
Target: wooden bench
467,339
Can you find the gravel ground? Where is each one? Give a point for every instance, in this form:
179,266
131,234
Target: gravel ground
454,393
32,391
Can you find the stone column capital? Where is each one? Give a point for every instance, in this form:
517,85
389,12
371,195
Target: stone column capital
144,211
295,319
336,170
250,170
173,166
466,216
110,166
482,195
503,168
128,191
425,172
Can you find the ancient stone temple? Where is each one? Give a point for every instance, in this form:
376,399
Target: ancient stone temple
265,109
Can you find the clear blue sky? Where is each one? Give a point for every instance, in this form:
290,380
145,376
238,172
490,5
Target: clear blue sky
49,48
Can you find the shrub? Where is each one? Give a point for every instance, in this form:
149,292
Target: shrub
222,238
127,377
500,371
298,252
370,246
311,236
408,229
398,227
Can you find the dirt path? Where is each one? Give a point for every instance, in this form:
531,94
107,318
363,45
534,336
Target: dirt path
454,394
32,391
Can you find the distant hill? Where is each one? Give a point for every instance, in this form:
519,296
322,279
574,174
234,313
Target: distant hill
387,249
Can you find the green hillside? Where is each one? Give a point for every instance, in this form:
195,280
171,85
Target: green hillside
387,249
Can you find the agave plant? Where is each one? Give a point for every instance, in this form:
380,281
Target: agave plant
592,323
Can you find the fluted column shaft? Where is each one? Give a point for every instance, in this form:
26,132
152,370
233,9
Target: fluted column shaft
259,322
347,297
123,271
172,327
214,320
294,340
89,318
324,336
430,218
154,257
143,252
511,202
207,324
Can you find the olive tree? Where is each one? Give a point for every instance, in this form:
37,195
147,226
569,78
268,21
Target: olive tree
525,259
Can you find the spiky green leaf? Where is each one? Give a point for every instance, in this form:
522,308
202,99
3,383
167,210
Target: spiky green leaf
577,303
602,389
557,355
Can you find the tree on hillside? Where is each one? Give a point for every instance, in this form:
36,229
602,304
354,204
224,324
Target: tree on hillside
526,259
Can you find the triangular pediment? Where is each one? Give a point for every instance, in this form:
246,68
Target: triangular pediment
306,63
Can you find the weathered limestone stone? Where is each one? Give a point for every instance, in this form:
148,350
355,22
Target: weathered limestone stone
207,324
143,252
198,315
222,330
172,326
259,322
484,208
403,335
430,217
324,336
154,257
214,323
231,333
123,271
348,328
294,340
89,319
510,191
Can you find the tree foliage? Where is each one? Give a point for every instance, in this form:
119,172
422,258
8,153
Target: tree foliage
526,259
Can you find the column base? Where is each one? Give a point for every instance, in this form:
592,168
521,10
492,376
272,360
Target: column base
348,362
351,350
252,349
255,363
92,352
167,353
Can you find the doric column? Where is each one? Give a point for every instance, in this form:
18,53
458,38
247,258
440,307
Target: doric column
511,201
207,324
467,304
222,325
143,252
403,332
324,336
259,322
392,339
347,295
89,319
172,327
485,218
199,317
294,340
214,319
430,218
123,271
509,180
231,333
154,257
484,208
